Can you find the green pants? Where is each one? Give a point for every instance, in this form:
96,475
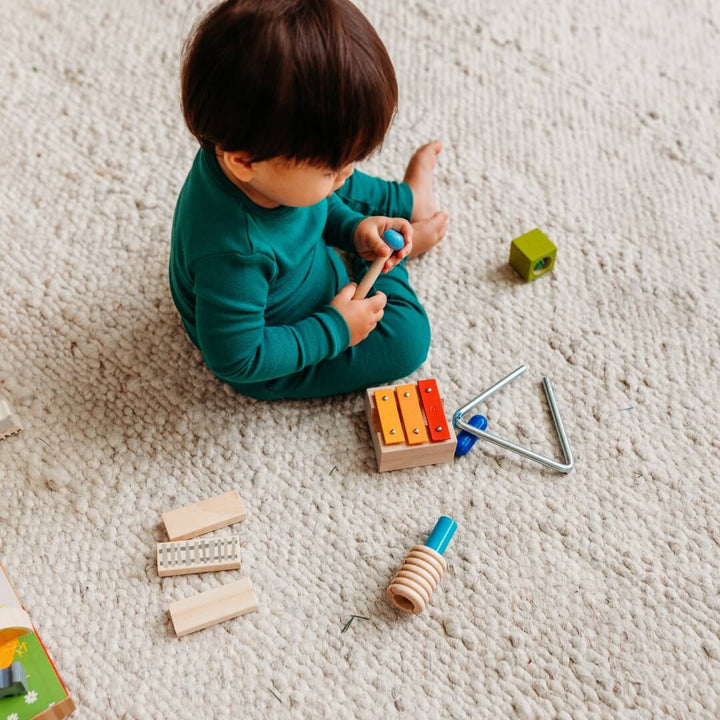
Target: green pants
400,342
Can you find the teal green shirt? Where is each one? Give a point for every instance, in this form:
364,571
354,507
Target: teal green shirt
253,285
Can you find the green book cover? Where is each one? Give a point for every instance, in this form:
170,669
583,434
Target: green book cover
44,688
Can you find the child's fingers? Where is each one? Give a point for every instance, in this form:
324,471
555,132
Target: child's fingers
377,301
372,239
402,226
392,262
347,292
378,245
406,250
406,230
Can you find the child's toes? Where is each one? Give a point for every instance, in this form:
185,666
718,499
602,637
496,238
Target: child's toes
431,150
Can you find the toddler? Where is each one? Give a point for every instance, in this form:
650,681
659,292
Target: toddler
284,97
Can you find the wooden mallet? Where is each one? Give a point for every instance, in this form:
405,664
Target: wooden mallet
394,240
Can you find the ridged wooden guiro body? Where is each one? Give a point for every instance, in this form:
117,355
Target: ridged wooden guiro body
413,585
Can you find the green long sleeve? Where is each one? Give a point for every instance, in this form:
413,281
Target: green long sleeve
231,297
341,224
253,285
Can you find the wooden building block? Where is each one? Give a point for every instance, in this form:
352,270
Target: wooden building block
9,422
198,556
203,516
389,416
403,455
532,254
409,404
214,606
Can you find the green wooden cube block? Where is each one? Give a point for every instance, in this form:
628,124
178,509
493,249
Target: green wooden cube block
532,254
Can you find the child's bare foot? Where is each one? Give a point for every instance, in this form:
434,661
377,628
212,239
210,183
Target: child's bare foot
419,176
428,233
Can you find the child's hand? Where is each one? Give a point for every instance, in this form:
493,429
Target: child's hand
361,316
370,245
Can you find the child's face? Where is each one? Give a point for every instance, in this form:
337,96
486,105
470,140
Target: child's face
298,185
281,182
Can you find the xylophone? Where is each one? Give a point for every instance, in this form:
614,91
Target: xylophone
408,425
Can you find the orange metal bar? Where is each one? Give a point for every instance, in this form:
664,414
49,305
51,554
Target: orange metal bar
389,417
412,418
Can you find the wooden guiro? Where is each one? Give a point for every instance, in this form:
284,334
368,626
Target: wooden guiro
413,585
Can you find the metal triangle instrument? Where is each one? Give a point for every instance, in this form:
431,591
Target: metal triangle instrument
565,467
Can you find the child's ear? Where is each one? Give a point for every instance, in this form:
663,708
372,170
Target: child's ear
239,164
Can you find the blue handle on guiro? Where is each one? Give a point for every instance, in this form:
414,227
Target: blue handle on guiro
394,239
442,534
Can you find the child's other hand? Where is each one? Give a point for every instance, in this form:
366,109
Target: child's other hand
361,316
370,245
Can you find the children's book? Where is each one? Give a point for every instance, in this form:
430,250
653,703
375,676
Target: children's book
46,697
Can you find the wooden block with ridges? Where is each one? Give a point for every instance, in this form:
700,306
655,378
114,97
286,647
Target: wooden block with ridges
203,516
434,411
214,606
198,556
409,404
389,416
403,455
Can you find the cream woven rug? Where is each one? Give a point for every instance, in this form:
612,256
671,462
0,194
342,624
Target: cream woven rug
593,595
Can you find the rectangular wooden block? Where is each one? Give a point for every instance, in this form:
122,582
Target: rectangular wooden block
203,516
198,556
401,456
389,416
409,404
212,607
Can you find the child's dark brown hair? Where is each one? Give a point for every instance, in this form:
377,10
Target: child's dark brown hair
308,80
